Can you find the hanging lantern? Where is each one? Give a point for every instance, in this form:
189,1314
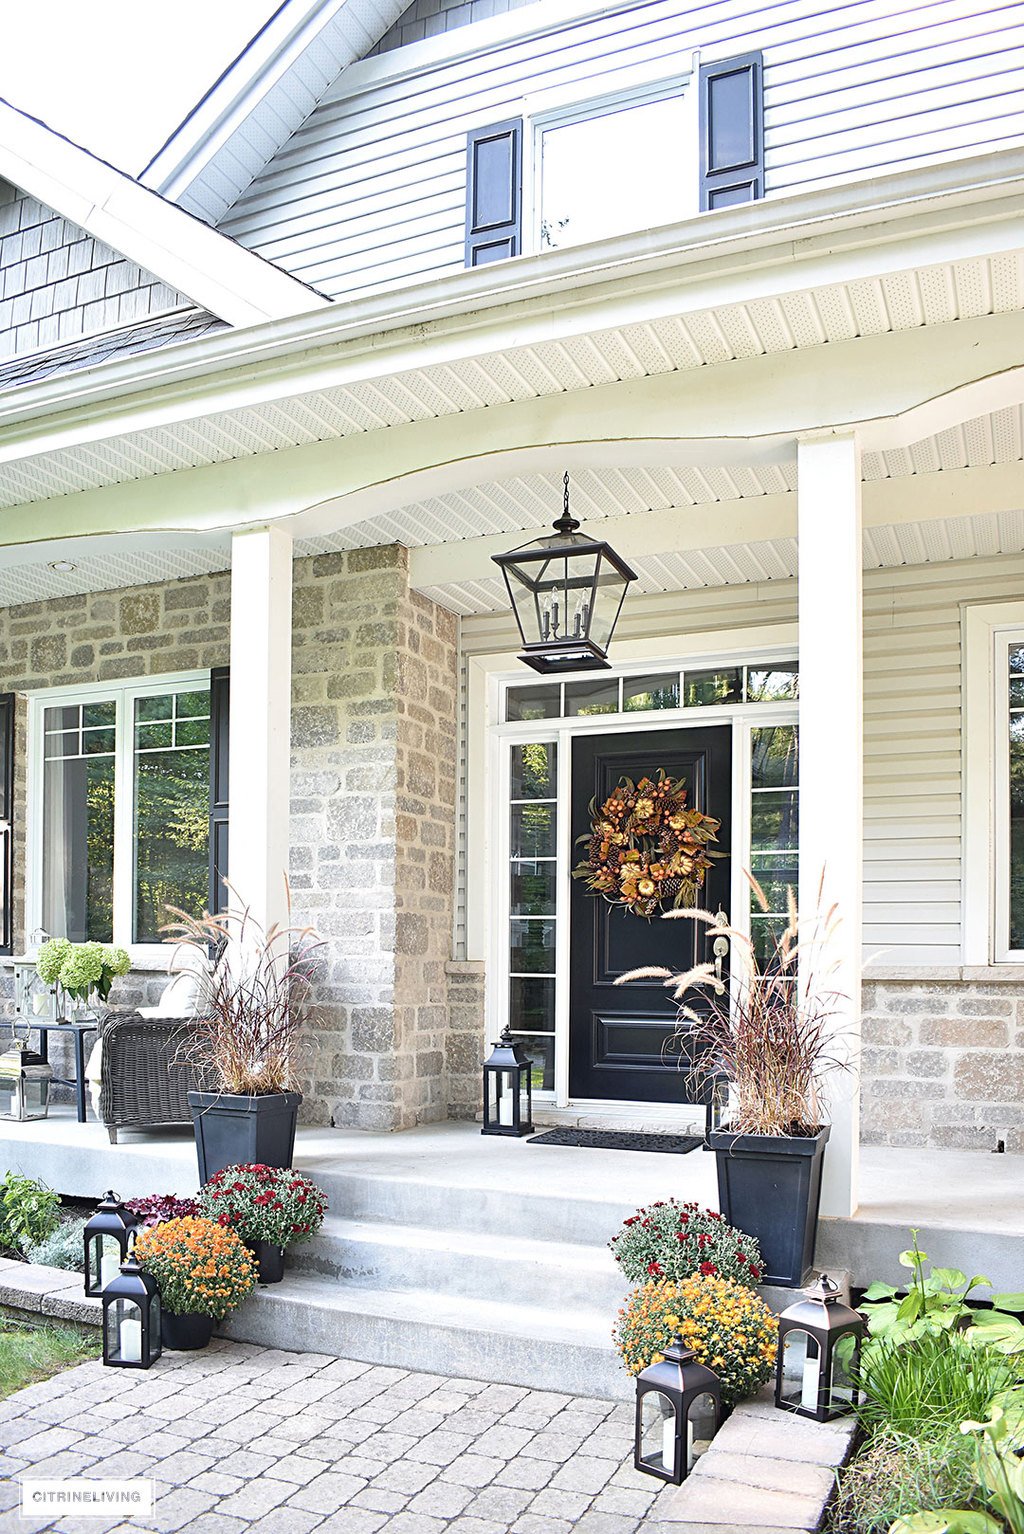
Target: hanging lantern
131,1317
566,593
508,1092
678,1409
816,1370
24,1083
107,1235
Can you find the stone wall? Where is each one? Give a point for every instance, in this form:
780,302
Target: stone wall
373,809
467,1045
943,1062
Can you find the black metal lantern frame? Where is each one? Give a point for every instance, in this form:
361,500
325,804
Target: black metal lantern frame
678,1412
131,1317
819,1347
508,1089
566,592
107,1235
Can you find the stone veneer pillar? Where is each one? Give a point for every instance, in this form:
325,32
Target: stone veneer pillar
374,763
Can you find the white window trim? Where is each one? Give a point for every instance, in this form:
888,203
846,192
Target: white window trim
152,956
558,107
985,628
487,794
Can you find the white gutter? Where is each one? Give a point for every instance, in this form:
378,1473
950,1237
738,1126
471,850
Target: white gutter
779,244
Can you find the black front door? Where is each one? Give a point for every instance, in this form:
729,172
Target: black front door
622,1042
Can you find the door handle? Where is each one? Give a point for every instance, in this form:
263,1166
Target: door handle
720,946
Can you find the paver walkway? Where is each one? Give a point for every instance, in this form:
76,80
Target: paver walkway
249,1440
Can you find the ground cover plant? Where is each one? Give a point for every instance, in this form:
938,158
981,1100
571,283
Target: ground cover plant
29,1212
730,1329
674,1240
64,1247
29,1352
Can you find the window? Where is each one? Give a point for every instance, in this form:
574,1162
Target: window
774,682
1013,674
123,785
533,850
607,172
774,822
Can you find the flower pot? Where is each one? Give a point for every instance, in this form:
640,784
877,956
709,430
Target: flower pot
269,1260
233,1130
183,1334
770,1187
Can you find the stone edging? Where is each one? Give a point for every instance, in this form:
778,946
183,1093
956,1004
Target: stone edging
766,1472
53,1292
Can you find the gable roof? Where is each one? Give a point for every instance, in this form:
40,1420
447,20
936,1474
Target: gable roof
262,98
212,270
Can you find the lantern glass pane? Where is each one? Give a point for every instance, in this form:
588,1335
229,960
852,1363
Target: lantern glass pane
658,1431
122,1331
37,1092
541,1050
104,1259
607,601
526,602
844,1366
8,1098
801,1370
502,1097
701,1422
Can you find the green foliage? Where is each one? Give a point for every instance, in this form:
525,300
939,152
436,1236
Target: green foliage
937,1301
928,1384
672,1240
63,1248
896,1474
1000,1467
81,968
29,1211
29,1353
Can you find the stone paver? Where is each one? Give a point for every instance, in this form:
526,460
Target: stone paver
247,1440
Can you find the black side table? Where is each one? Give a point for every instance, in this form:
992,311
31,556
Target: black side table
78,1031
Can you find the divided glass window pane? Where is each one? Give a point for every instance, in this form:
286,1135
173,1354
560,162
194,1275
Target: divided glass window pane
774,829
78,822
1016,744
532,891
701,688
534,702
591,698
650,692
172,809
776,684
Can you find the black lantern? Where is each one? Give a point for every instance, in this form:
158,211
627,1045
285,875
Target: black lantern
819,1344
678,1409
106,1242
566,592
131,1317
508,1091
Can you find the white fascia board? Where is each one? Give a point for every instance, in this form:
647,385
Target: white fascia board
212,270
260,75
925,217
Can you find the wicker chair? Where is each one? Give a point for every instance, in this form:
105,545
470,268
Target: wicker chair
146,1073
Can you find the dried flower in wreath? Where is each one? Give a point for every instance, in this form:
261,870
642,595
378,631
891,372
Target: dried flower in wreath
646,849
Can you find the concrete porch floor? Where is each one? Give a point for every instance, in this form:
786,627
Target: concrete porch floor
967,1205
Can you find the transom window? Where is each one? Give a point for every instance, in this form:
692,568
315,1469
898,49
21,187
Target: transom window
123,794
1014,850
607,169
697,688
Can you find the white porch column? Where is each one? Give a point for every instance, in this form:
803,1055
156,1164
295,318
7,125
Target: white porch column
261,670
831,763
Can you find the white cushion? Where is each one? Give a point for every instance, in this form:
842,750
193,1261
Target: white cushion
94,1075
177,999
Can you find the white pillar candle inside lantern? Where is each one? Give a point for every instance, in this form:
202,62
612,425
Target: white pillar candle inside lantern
130,1340
110,1263
811,1378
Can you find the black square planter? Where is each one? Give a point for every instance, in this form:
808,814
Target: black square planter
233,1130
770,1187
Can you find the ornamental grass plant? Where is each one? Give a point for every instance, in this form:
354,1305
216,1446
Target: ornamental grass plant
673,1240
254,1001
200,1268
774,1036
897,1474
729,1328
263,1203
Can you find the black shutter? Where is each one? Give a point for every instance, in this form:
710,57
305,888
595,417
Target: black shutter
7,823
494,192
220,691
731,131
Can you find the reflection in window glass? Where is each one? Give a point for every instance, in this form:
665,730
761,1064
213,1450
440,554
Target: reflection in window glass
701,688
532,947
777,685
606,175
648,692
78,822
533,831
533,702
774,829
533,774
531,1004
1016,669
172,809
773,757
532,890
591,698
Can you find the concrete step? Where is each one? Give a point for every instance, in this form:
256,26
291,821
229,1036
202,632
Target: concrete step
484,1339
369,1254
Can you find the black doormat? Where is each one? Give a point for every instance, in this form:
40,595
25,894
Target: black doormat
614,1139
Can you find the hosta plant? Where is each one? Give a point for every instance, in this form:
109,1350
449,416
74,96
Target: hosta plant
200,1268
936,1299
729,1328
673,1240
264,1203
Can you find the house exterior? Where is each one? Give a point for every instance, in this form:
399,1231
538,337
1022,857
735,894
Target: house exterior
755,280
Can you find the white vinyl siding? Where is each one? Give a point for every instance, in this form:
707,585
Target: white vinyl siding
912,735
370,191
